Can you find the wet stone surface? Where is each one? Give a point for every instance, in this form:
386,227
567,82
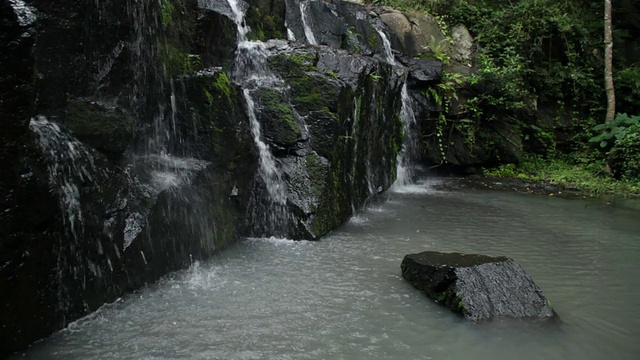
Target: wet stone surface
477,286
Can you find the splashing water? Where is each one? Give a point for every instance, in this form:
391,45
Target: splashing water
69,163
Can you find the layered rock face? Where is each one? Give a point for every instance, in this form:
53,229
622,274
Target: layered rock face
128,150
116,166
477,286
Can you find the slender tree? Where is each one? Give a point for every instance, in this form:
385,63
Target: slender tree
608,64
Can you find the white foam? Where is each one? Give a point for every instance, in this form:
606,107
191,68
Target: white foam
279,241
359,219
426,186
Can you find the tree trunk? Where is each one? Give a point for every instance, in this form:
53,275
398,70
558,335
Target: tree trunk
608,64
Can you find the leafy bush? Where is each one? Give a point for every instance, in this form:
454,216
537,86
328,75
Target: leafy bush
612,132
627,82
624,157
565,172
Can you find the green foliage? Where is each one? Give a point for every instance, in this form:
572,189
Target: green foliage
612,132
177,62
532,51
167,10
223,85
625,154
627,81
442,94
264,26
437,50
583,175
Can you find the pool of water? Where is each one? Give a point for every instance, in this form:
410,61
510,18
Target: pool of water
344,298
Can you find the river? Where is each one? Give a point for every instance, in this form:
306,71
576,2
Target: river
344,298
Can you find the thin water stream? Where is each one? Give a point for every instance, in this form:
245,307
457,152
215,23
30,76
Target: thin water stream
343,297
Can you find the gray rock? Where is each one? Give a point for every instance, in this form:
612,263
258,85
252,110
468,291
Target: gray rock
476,286
463,44
425,70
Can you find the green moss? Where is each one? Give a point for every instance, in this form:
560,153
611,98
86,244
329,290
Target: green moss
374,40
223,85
450,299
264,26
317,171
281,123
209,97
334,205
166,15
177,62
311,90
294,63
332,74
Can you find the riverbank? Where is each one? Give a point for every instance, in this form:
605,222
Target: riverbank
555,177
560,177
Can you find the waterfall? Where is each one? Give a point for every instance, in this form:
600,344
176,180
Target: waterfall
311,39
252,73
388,52
69,164
410,144
269,172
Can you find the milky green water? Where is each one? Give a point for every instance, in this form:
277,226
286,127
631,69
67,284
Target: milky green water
344,297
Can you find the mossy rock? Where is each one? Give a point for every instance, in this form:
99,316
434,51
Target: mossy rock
277,117
317,168
109,130
294,63
265,25
311,90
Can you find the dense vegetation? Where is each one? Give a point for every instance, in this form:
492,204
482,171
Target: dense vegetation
540,65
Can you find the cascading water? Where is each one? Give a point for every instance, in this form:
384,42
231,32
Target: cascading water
410,144
409,150
69,164
388,51
308,32
252,73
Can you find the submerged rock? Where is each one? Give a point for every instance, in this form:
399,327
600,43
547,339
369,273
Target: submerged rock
476,286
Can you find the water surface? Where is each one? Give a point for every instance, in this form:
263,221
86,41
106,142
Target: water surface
344,298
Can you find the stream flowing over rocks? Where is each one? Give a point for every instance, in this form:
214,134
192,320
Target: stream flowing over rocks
140,136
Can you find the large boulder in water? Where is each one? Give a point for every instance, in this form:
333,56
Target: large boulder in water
476,286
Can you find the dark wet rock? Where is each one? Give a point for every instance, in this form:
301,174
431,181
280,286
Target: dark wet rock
215,37
348,104
280,124
476,286
106,128
425,70
340,25
112,76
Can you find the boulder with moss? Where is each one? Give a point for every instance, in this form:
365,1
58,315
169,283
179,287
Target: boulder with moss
346,106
